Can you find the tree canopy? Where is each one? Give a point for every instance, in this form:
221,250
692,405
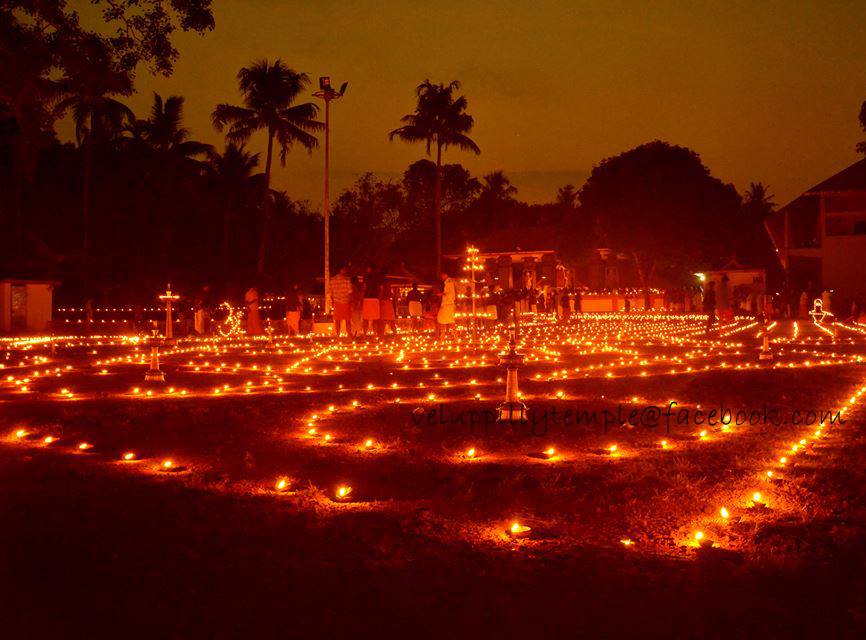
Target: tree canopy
659,204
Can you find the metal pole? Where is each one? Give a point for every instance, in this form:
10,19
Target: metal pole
169,334
327,208
472,290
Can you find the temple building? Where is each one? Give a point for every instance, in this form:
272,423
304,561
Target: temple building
821,235
25,305
519,268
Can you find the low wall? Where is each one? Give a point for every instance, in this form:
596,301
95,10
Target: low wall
606,303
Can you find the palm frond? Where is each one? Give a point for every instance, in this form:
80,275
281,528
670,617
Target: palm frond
225,114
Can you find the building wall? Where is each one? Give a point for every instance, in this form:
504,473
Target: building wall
5,307
39,300
843,257
844,265
37,316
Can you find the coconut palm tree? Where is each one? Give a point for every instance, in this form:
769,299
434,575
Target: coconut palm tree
440,121
758,202
270,92
497,187
164,132
98,117
230,174
171,163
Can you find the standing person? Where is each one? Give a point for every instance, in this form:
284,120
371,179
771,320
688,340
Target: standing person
827,301
724,301
341,298
710,304
254,320
293,311
387,314
306,315
370,313
447,307
416,308
804,304
355,323
200,310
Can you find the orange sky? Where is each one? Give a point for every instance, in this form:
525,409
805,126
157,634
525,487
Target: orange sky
764,91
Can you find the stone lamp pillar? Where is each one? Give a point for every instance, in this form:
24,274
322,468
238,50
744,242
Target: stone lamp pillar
512,410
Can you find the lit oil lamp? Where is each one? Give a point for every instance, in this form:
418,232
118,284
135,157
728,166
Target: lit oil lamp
343,493
129,456
548,453
170,466
702,540
282,484
758,501
517,530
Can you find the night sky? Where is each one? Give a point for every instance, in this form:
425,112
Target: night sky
764,91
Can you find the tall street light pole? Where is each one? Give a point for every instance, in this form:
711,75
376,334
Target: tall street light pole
327,93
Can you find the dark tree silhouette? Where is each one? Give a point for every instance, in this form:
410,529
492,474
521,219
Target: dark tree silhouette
143,29
230,175
270,92
861,146
566,196
458,190
659,204
439,121
90,85
27,99
758,202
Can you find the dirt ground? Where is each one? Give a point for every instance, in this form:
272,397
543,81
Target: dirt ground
95,545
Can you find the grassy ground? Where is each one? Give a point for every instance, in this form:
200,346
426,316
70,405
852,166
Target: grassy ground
94,545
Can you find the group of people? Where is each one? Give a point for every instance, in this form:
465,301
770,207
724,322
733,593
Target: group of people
718,303
367,304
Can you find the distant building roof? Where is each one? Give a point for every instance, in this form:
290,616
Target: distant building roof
852,178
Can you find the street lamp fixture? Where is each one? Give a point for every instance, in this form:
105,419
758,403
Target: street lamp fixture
327,93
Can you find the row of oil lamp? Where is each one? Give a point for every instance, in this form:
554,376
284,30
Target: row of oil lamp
517,530
758,500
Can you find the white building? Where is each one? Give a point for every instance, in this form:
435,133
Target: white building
821,235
